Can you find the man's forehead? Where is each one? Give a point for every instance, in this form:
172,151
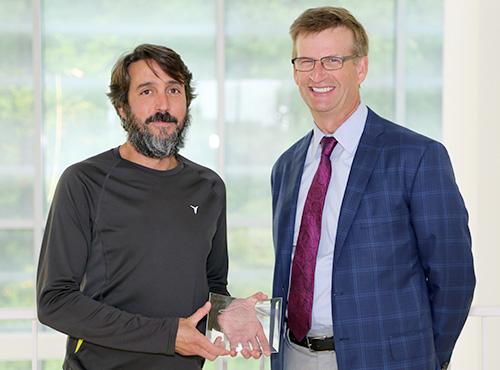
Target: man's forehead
338,31
149,70
333,37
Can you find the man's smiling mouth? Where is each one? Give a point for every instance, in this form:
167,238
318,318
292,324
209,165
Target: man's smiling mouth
322,89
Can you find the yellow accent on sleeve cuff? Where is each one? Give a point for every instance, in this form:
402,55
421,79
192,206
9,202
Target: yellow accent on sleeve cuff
78,345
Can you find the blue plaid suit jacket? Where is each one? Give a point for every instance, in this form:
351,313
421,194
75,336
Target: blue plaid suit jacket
403,276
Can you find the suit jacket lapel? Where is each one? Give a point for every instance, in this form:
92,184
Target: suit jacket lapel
293,176
369,148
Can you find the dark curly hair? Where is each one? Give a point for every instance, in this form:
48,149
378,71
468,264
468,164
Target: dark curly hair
168,60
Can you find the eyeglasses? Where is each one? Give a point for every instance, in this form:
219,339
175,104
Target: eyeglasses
330,63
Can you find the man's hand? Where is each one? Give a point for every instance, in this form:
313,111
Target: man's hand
190,342
243,329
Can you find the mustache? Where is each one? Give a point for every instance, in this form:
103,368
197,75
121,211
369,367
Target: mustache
161,117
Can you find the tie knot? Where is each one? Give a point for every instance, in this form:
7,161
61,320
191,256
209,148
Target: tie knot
328,143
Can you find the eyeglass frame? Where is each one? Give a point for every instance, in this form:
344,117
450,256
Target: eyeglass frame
341,58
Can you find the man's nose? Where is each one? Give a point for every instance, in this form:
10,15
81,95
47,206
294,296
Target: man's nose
162,102
318,72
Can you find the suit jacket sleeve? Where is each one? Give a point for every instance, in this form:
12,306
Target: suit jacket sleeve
440,222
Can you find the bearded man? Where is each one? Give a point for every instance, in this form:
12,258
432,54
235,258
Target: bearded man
136,236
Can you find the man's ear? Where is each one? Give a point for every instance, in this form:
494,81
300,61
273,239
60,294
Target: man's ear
362,69
296,77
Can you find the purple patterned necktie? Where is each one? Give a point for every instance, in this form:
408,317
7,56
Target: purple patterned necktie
300,299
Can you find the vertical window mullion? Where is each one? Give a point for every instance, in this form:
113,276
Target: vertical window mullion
220,75
400,62
37,158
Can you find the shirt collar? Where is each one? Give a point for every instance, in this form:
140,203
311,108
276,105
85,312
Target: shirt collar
348,134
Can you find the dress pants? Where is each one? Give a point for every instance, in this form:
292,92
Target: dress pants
300,358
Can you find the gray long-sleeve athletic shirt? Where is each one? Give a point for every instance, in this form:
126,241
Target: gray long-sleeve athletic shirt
127,250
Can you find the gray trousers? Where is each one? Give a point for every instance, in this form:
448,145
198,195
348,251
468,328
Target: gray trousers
300,358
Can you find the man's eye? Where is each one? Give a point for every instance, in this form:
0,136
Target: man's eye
332,59
146,92
174,91
306,62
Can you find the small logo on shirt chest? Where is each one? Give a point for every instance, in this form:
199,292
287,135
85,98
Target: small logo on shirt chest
195,209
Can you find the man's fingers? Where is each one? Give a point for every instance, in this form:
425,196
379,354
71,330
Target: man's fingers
200,313
256,354
211,349
234,342
255,345
190,341
218,342
259,296
245,352
206,354
255,348
264,343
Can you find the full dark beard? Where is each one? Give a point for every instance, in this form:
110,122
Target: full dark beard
152,145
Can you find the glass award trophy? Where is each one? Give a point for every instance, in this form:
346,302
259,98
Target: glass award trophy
245,322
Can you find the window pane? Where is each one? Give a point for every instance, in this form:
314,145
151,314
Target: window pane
15,365
16,110
251,256
16,268
378,89
52,365
16,344
424,48
16,191
51,347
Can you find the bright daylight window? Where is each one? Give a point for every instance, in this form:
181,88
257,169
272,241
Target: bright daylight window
247,112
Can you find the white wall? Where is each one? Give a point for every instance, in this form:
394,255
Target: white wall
471,120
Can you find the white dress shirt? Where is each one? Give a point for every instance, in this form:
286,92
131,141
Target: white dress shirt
347,136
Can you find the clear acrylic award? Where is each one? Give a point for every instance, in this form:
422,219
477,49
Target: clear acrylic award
245,322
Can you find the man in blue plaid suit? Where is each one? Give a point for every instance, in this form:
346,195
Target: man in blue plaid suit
393,275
